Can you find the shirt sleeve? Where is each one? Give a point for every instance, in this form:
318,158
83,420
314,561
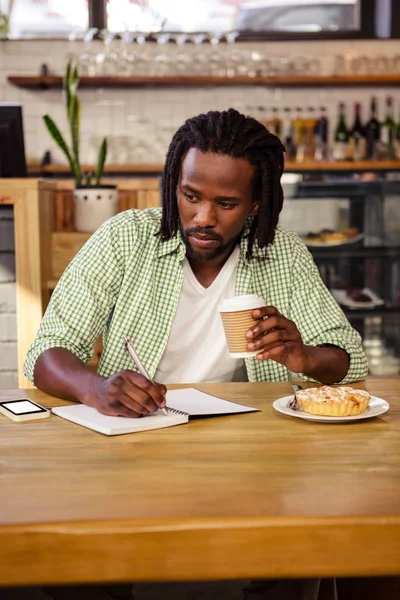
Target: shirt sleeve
319,318
82,301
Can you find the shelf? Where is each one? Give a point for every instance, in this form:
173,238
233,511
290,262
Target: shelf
379,311
290,167
343,166
345,189
111,169
355,251
53,81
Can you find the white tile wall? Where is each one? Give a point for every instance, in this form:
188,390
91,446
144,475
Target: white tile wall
141,121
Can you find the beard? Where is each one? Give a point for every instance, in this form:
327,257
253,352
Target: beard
204,255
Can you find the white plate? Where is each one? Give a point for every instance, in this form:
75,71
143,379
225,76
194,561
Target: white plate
377,406
341,297
356,238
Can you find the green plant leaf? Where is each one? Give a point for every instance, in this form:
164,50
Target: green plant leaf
74,116
71,86
59,140
74,121
101,160
75,81
67,87
67,74
71,83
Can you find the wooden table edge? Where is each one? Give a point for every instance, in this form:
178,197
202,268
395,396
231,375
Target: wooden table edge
198,549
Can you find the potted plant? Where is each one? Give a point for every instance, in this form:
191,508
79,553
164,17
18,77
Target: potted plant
94,203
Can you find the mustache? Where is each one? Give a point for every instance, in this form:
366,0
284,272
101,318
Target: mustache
210,234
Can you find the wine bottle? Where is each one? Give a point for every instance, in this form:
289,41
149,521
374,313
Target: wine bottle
287,135
275,124
397,142
357,147
341,137
388,132
262,115
373,133
309,135
321,136
298,124
300,132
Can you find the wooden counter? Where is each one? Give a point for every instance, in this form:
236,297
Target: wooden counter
31,201
244,496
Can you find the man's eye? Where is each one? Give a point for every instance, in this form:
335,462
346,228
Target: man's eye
190,197
226,205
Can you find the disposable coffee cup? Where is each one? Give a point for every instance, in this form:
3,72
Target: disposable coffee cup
237,318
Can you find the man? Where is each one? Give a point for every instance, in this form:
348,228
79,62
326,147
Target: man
158,276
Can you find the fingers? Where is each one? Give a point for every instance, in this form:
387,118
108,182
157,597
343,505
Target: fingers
149,395
272,339
274,336
118,409
265,311
276,353
271,324
135,392
127,401
127,394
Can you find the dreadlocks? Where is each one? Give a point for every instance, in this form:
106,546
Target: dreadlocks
231,134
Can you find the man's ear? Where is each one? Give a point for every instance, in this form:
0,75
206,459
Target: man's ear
255,208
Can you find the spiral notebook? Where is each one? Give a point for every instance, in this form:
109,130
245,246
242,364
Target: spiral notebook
182,405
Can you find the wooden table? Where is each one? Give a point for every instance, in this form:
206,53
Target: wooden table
255,495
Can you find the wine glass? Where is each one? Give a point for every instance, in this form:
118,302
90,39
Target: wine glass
142,56
87,60
200,56
216,58
126,57
107,61
74,39
254,64
181,59
233,55
162,59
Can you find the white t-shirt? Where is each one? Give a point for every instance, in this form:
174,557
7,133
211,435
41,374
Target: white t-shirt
196,350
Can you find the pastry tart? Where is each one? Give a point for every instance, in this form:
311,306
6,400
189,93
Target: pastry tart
332,401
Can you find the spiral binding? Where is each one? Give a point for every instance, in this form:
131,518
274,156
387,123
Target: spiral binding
176,411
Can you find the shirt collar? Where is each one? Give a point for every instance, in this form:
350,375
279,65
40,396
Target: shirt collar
176,243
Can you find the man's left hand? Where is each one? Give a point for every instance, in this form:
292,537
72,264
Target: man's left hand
277,338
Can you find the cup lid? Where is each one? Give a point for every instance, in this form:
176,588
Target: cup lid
245,302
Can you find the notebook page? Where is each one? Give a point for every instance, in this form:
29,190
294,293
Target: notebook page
196,403
89,417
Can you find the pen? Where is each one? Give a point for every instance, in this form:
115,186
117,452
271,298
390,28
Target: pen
134,356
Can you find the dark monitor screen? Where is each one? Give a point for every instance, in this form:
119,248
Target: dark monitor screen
12,150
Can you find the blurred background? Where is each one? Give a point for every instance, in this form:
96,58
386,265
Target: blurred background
323,75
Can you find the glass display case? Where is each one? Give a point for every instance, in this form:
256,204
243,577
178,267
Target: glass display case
351,225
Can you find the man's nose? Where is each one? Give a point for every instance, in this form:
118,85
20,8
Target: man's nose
206,215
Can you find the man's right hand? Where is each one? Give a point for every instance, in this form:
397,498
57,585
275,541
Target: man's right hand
60,373
125,394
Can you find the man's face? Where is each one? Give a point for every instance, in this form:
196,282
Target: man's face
215,198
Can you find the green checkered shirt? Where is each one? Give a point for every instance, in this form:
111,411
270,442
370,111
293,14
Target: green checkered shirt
125,280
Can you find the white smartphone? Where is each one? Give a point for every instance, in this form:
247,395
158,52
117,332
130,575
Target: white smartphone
23,410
